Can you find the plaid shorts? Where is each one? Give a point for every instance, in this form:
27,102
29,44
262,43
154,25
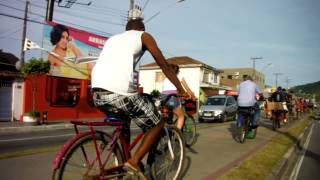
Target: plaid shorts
140,109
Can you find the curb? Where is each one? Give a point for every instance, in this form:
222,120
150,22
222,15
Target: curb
280,168
30,128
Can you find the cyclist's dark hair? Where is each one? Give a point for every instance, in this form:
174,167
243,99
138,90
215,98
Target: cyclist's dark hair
56,33
135,24
248,77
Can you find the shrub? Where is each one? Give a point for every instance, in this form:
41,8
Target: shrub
36,66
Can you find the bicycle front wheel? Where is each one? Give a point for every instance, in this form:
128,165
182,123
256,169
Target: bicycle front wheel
80,161
189,130
169,155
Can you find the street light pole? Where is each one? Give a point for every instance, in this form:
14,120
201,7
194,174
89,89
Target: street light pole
277,74
254,66
287,82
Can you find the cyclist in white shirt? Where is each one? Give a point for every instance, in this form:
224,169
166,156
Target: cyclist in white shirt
113,83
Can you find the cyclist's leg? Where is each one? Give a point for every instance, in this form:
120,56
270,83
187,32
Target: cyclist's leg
180,115
149,139
146,116
255,117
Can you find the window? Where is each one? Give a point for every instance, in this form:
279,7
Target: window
160,77
63,91
215,78
206,76
215,101
229,76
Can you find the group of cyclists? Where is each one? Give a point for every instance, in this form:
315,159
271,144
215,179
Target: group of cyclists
113,86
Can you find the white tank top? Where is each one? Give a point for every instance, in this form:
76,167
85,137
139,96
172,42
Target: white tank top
113,70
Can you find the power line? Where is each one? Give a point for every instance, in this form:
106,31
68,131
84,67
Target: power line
16,17
43,23
98,20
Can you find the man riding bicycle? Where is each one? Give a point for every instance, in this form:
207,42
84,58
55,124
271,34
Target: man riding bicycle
280,96
247,98
113,84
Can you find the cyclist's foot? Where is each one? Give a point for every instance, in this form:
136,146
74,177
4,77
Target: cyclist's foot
254,126
134,172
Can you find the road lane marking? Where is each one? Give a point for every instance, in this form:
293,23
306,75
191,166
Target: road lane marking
296,170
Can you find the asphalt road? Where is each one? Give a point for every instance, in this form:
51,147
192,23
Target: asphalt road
213,154
308,164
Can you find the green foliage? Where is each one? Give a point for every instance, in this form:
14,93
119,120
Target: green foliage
34,113
308,90
36,66
155,93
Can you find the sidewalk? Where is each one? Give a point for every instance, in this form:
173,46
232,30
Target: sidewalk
16,126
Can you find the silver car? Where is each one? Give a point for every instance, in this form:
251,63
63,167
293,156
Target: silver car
219,108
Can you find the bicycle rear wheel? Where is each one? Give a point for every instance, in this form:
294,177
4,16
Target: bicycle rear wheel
80,161
243,130
189,130
164,165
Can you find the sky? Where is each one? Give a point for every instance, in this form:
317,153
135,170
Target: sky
220,33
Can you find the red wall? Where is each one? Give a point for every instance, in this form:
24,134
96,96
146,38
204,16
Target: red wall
82,110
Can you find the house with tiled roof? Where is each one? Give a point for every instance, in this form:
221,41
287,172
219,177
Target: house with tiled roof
203,79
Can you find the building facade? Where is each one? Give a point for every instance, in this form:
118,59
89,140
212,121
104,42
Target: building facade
11,85
203,80
232,77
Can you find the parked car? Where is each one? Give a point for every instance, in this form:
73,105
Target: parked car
221,108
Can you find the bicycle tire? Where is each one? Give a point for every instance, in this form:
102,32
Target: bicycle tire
243,130
75,166
163,166
274,124
189,131
255,131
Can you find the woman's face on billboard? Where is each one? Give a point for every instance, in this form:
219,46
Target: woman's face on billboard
63,40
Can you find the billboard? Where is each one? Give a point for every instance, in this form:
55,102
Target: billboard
66,47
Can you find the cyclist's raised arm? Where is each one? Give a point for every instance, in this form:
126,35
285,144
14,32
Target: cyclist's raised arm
150,44
187,88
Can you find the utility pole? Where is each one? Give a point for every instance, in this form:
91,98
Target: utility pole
24,32
277,74
50,6
287,80
254,66
131,7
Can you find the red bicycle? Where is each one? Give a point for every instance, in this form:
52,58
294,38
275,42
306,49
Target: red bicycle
96,154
